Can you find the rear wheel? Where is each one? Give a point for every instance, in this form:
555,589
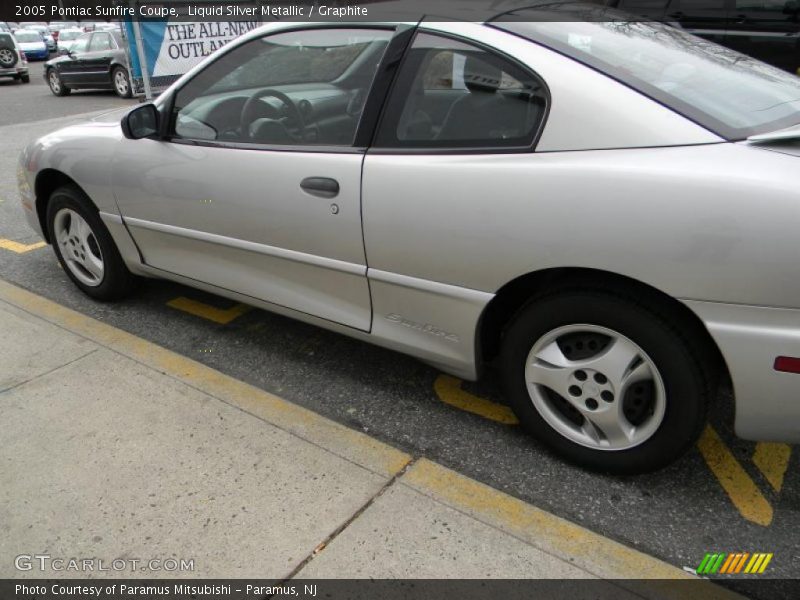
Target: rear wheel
56,85
26,78
122,83
84,246
605,381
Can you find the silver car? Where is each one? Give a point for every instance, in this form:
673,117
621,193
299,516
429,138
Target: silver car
604,212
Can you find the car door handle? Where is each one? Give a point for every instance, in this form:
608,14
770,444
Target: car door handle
324,187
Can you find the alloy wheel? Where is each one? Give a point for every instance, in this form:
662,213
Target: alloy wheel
595,387
79,247
55,82
121,82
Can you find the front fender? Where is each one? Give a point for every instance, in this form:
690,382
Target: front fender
82,153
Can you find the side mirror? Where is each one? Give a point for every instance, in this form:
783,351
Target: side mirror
141,122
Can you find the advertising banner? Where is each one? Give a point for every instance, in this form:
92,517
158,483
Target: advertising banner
161,51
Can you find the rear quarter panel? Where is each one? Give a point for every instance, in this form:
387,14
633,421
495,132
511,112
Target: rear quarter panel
711,222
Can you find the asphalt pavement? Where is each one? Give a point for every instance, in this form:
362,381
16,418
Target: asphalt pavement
727,495
27,102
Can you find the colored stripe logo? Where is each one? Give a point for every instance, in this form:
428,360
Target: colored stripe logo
723,563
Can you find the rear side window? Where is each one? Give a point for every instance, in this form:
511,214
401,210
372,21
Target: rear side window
100,42
729,93
450,94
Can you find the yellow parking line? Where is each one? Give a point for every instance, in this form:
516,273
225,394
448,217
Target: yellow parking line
449,391
773,460
741,489
206,311
19,248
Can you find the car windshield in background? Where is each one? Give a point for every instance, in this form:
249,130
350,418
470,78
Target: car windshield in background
66,36
728,93
28,36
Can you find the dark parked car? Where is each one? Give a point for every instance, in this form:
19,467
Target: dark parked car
95,60
768,30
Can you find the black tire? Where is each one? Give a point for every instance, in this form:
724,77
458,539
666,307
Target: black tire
117,281
55,84
26,78
686,376
121,82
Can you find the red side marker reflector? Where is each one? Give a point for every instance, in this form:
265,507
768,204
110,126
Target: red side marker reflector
787,364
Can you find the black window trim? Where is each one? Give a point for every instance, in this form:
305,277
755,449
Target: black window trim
457,150
168,123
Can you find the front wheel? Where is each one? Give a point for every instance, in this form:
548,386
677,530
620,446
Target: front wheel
56,85
606,382
122,83
84,247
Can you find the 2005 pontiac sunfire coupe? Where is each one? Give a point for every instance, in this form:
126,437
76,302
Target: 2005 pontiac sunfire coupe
608,212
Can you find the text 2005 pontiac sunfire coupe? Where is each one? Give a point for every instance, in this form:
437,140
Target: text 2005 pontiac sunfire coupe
606,212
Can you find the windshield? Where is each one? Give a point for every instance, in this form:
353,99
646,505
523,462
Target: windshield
729,93
65,36
28,36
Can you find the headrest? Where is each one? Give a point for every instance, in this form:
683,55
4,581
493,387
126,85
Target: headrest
481,76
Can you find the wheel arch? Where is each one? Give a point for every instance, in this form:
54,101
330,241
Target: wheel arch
515,295
48,181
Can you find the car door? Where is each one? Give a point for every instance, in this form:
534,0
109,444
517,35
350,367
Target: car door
96,62
72,67
421,178
257,188
769,30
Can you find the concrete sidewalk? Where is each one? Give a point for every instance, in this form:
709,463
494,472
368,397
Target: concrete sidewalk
114,448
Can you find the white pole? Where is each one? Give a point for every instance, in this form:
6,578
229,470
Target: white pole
137,37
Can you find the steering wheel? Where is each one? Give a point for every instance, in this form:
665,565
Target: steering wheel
251,111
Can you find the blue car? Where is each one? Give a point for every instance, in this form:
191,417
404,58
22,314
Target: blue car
32,44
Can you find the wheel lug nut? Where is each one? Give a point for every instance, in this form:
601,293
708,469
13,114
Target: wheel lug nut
600,378
580,375
607,396
574,390
591,403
